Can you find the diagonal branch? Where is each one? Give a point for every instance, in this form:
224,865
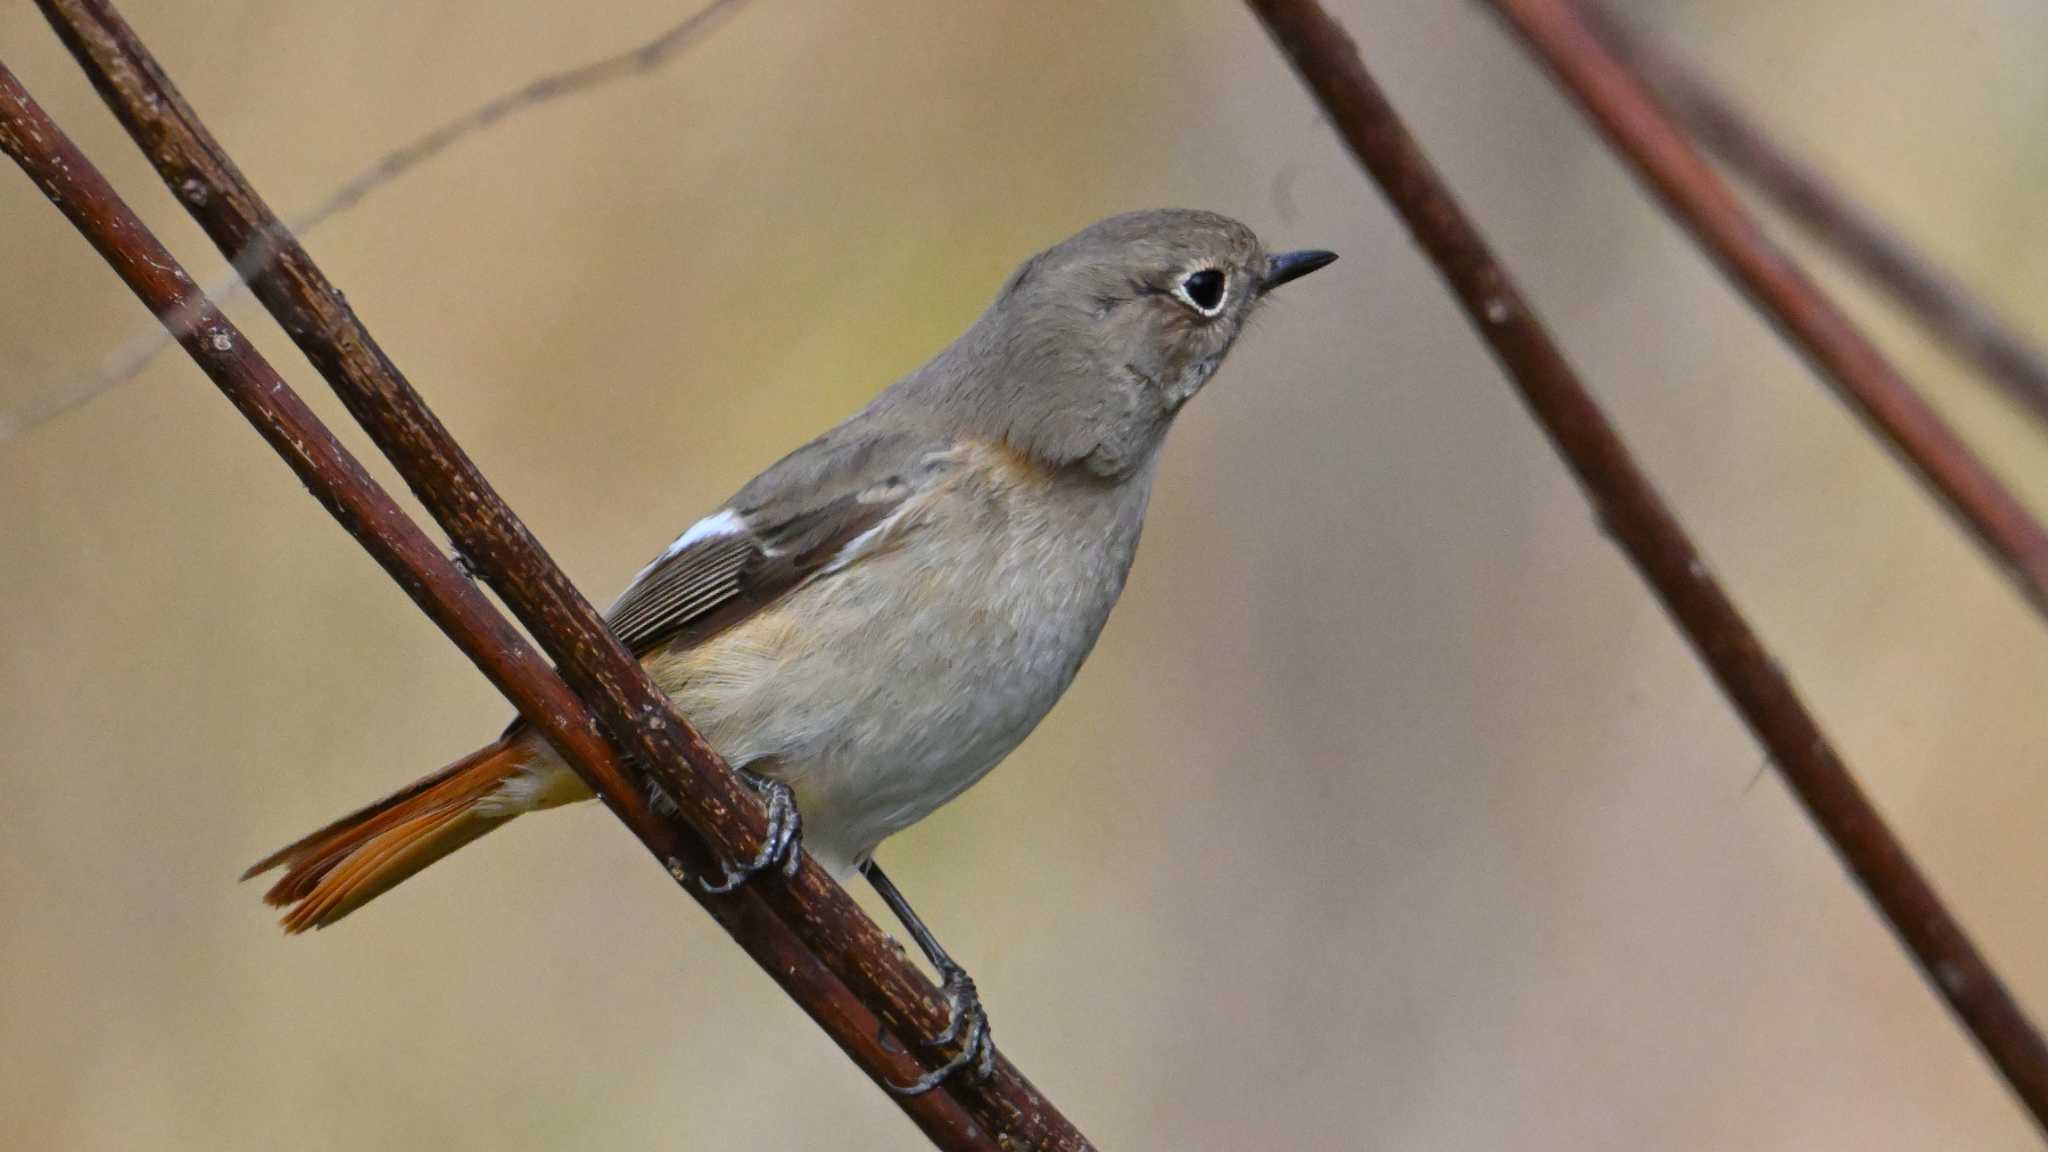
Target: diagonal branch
1971,328
434,582
1667,162
639,720
1636,517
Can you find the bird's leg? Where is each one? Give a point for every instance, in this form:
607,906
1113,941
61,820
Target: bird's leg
783,844
966,1021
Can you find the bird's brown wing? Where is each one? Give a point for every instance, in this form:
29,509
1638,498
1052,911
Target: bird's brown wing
809,515
736,568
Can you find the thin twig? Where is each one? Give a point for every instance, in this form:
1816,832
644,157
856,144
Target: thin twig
435,583
1971,328
133,356
640,720
1636,517
1697,198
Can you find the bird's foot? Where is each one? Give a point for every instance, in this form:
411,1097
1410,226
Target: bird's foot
967,1025
783,847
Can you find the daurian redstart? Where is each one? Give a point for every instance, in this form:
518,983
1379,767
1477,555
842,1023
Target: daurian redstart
874,622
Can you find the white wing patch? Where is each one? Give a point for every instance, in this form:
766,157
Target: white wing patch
724,522
729,558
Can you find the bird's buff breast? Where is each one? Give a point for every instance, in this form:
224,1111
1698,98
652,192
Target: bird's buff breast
884,690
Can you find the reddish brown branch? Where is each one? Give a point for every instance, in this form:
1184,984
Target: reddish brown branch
1971,328
1696,197
638,717
338,481
1638,520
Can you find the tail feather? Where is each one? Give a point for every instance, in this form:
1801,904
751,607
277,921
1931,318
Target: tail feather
337,869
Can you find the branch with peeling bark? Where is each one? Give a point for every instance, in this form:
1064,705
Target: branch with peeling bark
602,712
1655,543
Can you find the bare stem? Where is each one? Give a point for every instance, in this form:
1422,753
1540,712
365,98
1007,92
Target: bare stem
434,582
1638,520
637,716
1971,328
1845,358
842,942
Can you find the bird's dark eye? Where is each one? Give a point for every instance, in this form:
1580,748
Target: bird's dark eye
1204,289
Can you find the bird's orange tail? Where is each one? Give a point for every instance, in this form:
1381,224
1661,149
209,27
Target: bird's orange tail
336,870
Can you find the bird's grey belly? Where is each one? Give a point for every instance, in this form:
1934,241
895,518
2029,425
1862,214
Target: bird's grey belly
888,689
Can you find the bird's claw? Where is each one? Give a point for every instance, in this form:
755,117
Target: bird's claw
783,844
966,1023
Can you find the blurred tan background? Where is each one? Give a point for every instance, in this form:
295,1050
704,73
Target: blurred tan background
1390,812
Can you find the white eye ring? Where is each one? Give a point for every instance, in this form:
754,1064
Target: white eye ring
1204,290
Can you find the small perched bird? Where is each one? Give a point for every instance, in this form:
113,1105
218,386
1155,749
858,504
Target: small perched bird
875,621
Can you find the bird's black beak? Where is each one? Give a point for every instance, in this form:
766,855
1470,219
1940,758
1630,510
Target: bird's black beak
1284,266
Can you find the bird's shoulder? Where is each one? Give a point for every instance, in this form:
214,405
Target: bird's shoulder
811,513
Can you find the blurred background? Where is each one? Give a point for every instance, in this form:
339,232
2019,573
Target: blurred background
1390,812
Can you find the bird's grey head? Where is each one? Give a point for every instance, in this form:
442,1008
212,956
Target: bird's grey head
1094,344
